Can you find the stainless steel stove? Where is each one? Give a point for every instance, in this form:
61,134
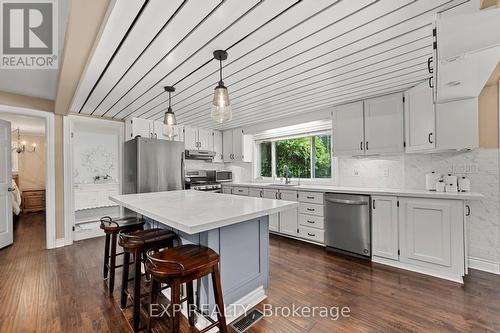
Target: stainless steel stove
202,180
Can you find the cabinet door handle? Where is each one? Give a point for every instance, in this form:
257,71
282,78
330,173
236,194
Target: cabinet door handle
280,195
373,204
310,197
312,222
467,210
151,135
276,195
156,135
366,145
311,209
429,138
361,145
312,235
429,68
260,193
431,85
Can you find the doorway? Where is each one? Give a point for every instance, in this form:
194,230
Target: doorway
31,177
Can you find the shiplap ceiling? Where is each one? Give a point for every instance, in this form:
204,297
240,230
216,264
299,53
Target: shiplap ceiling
285,56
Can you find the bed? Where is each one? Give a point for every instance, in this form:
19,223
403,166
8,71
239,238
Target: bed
16,196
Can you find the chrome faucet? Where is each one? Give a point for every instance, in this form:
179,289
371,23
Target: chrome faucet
287,177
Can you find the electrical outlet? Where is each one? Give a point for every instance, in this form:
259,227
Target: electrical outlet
355,172
386,172
465,168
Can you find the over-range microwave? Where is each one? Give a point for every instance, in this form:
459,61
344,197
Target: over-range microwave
224,176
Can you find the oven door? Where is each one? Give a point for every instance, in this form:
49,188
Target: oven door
224,176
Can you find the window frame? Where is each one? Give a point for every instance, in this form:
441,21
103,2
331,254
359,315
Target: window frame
311,136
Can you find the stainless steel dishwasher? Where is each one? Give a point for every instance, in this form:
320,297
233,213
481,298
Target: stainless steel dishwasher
348,224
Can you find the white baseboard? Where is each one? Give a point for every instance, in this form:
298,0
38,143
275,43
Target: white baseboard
484,265
60,242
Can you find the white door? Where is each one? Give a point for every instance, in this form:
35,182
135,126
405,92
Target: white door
428,230
385,227
289,218
138,127
6,235
217,146
158,130
238,145
384,124
190,137
420,119
227,145
205,139
178,133
348,136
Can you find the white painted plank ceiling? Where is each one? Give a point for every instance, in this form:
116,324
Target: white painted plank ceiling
285,56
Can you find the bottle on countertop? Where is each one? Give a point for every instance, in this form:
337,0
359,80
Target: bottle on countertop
431,179
464,184
440,186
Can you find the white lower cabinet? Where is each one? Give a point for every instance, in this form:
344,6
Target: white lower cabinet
255,192
422,235
313,234
431,234
385,234
240,190
227,190
287,221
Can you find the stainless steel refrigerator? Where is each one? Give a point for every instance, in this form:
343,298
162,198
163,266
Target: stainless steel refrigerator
152,165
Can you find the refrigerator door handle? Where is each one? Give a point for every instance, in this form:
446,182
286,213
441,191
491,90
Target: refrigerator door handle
182,171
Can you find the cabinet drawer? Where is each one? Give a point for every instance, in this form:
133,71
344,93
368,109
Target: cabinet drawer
311,197
311,221
310,209
240,190
312,234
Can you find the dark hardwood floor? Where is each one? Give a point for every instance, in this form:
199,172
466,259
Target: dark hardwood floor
62,290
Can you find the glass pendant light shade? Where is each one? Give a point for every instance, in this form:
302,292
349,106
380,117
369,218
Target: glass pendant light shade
168,131
169,118
221,107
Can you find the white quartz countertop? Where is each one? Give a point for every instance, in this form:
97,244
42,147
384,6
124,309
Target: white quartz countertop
368,191
195,211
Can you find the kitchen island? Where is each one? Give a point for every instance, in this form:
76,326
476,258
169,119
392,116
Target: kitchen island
235,227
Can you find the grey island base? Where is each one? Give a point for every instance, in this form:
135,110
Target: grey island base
235,227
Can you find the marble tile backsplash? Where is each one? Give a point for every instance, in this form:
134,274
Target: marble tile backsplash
408,171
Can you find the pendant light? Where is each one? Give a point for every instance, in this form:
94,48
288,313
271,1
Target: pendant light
221,108
169,118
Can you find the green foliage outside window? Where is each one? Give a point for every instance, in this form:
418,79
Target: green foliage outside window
323,156
265,159
296,154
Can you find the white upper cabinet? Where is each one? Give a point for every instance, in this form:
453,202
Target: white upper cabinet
147,128
348,134
217,146
457,124
138,127
374,126
385,227
420,118
384,124
467,50
237,146
190,137
198,138
205,139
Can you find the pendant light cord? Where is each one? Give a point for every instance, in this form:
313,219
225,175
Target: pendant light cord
169,99
220,73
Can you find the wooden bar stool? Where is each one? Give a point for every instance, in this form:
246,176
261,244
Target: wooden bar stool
184,264
137,243
111,228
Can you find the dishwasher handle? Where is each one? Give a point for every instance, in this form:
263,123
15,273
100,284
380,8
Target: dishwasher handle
347,202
